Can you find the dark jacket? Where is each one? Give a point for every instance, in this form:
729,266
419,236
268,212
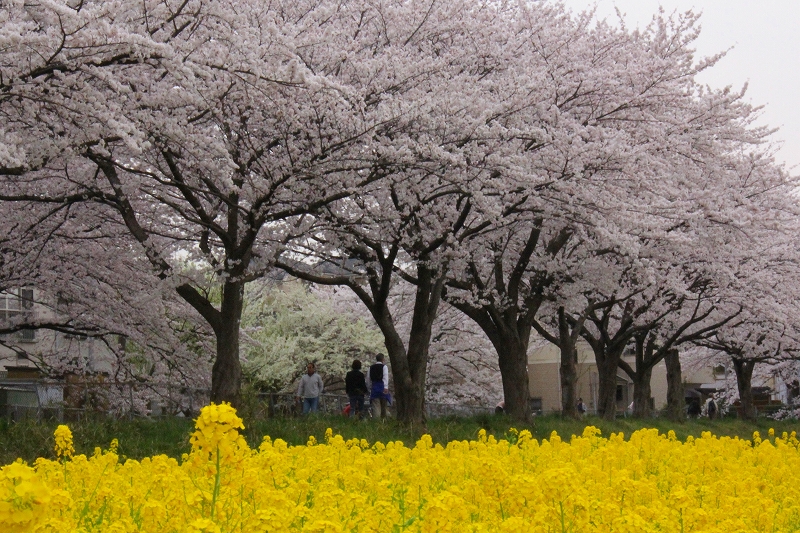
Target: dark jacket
355,384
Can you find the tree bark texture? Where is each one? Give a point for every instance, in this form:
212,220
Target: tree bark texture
607,364
744,382
409,366
226,374
509,334
675,395
568,370
642,391
513,363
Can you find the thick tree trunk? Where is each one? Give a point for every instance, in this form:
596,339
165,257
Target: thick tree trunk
408,374
226,374
744,382
509,334
513,363
568,373
642,391
409,366
607,387
675,395
569,367
410,389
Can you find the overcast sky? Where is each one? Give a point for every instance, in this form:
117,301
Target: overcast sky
765,39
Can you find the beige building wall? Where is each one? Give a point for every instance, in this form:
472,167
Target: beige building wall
658,385
545,384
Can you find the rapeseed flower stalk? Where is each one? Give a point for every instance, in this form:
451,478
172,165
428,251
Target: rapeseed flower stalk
217,431
217,439
63,437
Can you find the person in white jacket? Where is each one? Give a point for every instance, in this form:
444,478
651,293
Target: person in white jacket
310,389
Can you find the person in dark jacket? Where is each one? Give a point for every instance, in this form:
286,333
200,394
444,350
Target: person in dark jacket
355,385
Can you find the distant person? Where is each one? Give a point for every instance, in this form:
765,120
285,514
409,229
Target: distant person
500,408
694,408
310,389
712,409
379,386
581,407
355,385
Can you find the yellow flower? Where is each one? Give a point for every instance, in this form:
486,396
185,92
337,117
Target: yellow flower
203,525
217,431
63,437
648,483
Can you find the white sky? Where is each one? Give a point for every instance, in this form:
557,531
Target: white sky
765,40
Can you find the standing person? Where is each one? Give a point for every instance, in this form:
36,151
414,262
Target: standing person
310,389
712,408
379,379
581,407
355,385
694,408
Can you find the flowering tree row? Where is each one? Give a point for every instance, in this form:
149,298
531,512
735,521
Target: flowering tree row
537,170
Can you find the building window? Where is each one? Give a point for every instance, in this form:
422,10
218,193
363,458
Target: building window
720,372
16,306
535,405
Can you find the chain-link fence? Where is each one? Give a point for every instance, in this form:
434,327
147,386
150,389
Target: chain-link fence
75,400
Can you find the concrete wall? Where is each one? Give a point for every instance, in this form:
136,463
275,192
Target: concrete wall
545,384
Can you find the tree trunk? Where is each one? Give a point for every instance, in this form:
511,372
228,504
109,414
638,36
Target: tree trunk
569,377
675,396
409,388
226,374
509,334
408,374
409,367
569,367
607,387
744,382
642,391
513,363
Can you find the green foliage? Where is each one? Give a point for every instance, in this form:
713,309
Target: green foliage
140,438
287,326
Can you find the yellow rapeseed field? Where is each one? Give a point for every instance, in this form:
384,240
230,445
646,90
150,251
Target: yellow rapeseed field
647,483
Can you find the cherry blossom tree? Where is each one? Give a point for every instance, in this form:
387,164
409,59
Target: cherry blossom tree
591,171
765,335
688,228
207,127
499,156
99,292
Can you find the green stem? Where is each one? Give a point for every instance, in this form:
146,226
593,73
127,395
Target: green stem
216,489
